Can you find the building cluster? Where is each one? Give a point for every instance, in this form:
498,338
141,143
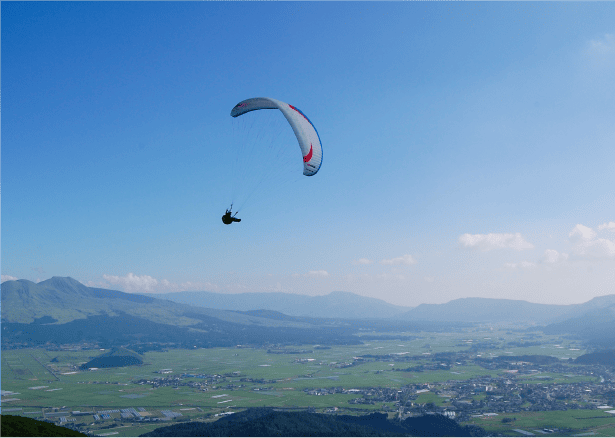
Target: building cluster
82,420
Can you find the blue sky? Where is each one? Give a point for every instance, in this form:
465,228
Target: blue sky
469,148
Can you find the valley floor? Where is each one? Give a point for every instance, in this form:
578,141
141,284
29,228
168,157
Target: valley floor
509,383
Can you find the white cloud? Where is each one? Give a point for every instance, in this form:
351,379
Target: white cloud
581,233
96,284
132,282
406,259
429,279
521,265
166,283
610,226
587,245
362,262
487,242
603,47
318,274
145,283
597,248
551,256
8,278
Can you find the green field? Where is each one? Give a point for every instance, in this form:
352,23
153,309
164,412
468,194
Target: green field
580,420
40,380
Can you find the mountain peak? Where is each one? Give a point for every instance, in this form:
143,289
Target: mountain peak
61,280
65,284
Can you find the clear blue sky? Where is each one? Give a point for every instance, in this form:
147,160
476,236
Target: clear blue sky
469,148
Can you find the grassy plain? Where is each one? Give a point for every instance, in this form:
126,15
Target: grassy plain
576,419
41,380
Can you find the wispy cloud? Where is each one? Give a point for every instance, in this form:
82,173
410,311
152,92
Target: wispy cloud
406,259
599,62
610,226
362,262
521,265
487,242
581,233
588,245
552,256
8,278
318,274
146,283
603,47
355,277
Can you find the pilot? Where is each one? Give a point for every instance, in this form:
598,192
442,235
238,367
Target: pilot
229,218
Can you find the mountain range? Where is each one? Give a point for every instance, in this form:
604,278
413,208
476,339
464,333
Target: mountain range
62,310
337,304
497,310
351,306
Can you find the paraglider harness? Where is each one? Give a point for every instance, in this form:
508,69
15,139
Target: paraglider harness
229,217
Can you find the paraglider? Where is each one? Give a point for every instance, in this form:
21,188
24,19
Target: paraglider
228,217
305,133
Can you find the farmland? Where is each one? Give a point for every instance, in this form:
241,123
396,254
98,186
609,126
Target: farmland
462,374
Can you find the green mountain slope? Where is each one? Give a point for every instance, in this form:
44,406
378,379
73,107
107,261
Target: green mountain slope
61,300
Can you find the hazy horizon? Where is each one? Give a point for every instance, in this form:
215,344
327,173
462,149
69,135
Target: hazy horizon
468,148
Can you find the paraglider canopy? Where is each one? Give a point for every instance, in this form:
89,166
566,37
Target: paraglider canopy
307,136
266,148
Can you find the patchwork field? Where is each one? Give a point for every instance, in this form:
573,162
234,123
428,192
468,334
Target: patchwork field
201,384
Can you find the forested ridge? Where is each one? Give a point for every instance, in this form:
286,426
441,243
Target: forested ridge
271,422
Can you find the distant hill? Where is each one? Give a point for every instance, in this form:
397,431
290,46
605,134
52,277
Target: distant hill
605,357
334,305
488,310
117,357
597,326
593,320
597,303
